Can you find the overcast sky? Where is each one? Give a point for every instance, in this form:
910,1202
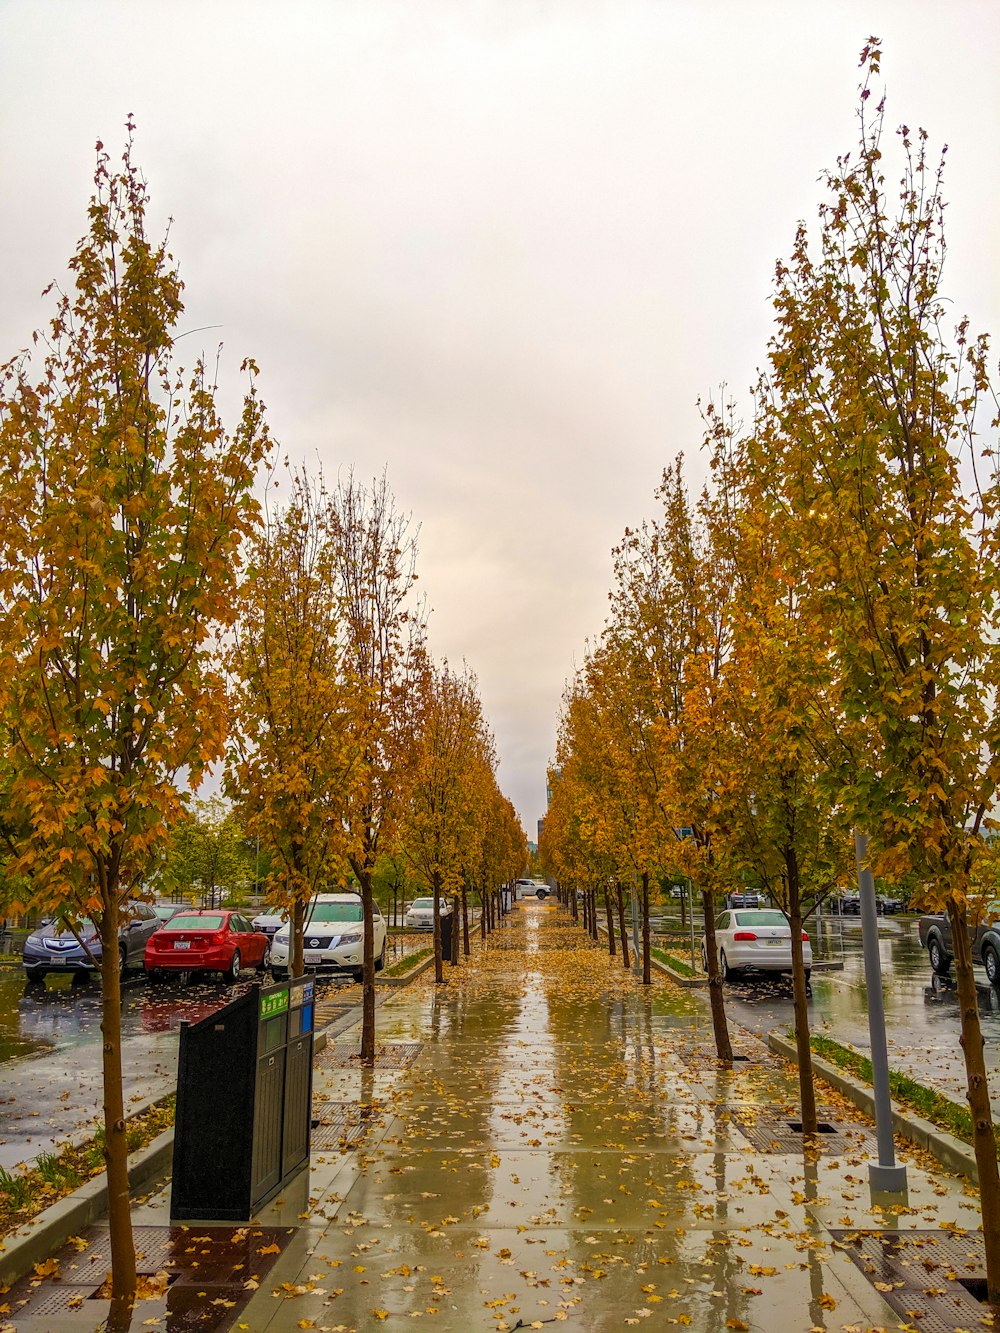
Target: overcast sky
497,248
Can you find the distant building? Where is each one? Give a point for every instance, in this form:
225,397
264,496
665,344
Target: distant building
541,825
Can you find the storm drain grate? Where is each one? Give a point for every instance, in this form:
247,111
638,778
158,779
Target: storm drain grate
698,1059
341,1124
922,1274
208,1269
390,1055
773,1133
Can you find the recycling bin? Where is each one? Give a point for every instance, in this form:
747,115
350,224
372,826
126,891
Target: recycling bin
244,1103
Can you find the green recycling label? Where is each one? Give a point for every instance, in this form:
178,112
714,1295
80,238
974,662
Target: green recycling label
273,1004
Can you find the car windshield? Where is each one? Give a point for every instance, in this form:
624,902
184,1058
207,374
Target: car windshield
759,917
422,902
83,927
190,921
335,912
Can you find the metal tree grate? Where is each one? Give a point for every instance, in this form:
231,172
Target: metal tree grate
390,1055
341,1125
770,1132
924,1271
207,1265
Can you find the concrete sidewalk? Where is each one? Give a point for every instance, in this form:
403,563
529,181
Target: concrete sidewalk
542,1140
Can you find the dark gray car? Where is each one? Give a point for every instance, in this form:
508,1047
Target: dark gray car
54,949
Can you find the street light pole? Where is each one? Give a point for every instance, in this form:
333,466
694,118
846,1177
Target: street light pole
636,964
886,1176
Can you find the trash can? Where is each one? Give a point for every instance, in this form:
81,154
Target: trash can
244,1103
447,935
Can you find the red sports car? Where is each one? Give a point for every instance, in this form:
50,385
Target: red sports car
208,941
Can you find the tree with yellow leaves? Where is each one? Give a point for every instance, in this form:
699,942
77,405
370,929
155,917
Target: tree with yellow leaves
868,436
384,655
452,750
297,709
124,507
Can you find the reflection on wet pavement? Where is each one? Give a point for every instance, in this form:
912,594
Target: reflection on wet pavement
566,1148
921,1010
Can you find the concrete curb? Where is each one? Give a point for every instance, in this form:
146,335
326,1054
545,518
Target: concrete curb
38,1239
949,1151
407,977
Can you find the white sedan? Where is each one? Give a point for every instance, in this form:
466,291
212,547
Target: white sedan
333,938
420,914
757,939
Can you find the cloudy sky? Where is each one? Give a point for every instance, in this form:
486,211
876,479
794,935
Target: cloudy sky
498,248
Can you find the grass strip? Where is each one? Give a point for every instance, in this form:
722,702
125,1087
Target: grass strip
932,1105
668,959
404,964
24,1194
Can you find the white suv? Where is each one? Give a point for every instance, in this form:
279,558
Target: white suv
333,938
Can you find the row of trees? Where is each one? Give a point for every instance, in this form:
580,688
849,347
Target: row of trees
156,619
810,646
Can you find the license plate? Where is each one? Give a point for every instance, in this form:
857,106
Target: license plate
779,943
313,956
182,944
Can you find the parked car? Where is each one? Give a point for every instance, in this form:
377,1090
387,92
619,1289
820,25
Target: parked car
888,903
206,940
333,939
745,900
420,913
164,911
269,923
755,939
936,937
53,947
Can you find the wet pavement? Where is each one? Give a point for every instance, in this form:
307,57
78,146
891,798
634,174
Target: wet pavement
542,1140
51,1088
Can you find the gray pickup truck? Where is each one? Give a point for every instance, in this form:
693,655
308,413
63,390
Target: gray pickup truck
936,938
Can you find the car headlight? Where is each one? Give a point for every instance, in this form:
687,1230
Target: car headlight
349,939
281,937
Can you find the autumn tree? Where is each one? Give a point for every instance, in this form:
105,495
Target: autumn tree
870,443
776,826
297,708
452,748
124,505
384,652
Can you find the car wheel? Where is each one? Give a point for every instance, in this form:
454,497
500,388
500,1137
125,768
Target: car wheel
704,959
940,962
235,967
992,964
724,968
358,974
380,960
265,962
279,973
36,977
122,963
154,975
540,894
808,975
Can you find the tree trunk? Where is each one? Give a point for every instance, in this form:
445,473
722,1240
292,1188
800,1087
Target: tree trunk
645,928
455,927
466,946
368,970
978,1094
723,1047
574,905
684,907
296,962
123,1275
438,962
593,916
483,913
620,899
800,1003
611,920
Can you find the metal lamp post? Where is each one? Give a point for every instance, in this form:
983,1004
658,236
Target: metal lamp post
886,1177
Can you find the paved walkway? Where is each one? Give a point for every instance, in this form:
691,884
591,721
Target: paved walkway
547,1141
